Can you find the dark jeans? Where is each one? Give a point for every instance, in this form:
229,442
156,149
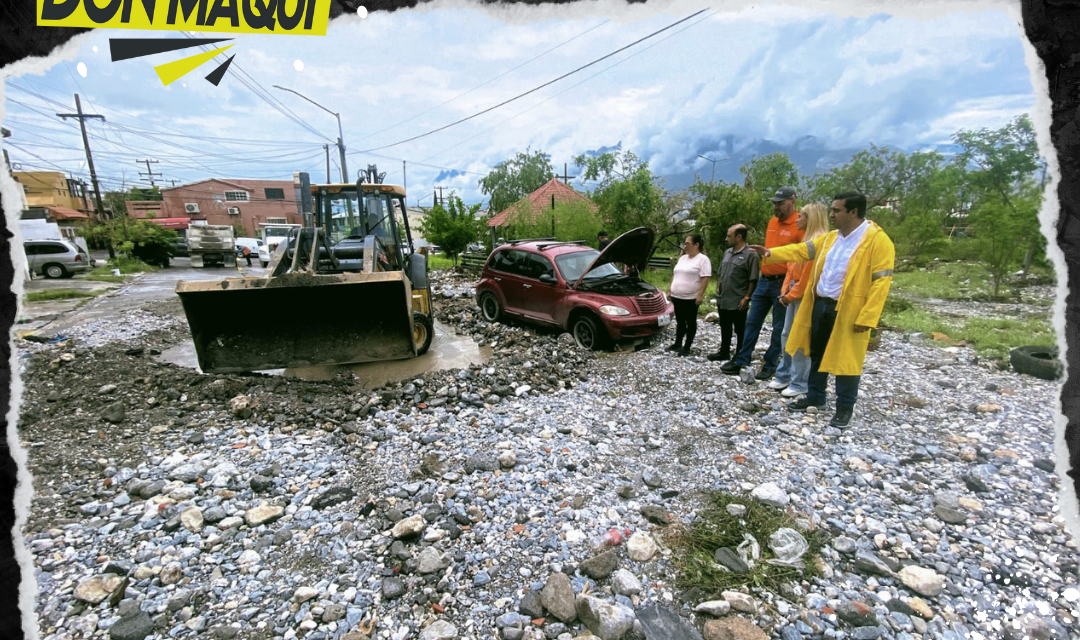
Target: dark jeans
732,319
821,326
685,321
766,298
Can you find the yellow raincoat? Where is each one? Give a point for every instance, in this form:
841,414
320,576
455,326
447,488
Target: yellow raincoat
866,286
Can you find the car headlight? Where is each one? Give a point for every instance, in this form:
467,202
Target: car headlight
612,310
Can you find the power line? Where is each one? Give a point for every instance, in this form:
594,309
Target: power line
482,84
577,84
537,88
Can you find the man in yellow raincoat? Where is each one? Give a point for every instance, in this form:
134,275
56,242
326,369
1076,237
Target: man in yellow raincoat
848,285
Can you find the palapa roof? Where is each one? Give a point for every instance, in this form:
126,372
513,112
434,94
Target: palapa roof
529,208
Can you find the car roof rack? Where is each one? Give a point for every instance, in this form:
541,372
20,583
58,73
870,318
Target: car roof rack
514,243
545,245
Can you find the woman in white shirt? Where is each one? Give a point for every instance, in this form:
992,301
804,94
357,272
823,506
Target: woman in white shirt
687,290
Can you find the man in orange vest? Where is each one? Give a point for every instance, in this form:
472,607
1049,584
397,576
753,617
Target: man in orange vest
783,230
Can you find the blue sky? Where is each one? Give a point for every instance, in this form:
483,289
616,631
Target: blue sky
718,84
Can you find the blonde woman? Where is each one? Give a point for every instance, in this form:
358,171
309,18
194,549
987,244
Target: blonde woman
814,221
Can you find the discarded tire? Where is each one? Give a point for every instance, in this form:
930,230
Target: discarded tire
1040,362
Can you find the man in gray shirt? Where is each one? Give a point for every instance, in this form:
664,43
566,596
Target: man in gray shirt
737,277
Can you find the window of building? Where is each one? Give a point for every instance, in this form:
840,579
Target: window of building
277,221
275,194
236,196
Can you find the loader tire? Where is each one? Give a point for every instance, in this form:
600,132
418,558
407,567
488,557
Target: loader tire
423,332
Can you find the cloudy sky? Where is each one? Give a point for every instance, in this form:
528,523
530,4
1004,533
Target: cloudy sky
721,83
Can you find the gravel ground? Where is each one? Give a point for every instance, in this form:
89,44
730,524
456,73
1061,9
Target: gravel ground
472,503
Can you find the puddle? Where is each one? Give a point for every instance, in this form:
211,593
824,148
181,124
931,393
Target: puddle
448,351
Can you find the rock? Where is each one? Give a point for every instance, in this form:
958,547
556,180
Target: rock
557,596
1033,626
641,547
857,464
925,582
507,459
96,589
392,587
975,484
770,493
333,612
845,545
788,546
241,406
740,601
262,514
600,566
733,628
531,604
192,519
715,608
481,462
114,412
261,484
625,583
431,561
171,573
332,496
730,560
439,630
656,515
303,594
919,606
408,527
626,492
856,614
134,627
662,623
651,478
737,510
186,473
869,562
608,621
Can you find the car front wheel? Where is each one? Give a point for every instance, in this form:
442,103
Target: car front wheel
490,307
587,332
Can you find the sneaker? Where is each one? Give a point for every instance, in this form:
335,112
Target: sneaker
675,347
802,405
778,385
718,357
841,419
791,393
730,368
765,373
683,353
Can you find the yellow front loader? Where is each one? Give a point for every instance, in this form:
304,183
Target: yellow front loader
343,288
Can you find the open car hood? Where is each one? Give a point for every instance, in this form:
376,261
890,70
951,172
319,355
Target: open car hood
631,248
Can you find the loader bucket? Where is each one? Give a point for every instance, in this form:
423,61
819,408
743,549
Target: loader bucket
298,319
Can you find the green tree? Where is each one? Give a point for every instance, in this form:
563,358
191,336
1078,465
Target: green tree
718,207
136,238
765,174
516,178
452,228
627,193
879,173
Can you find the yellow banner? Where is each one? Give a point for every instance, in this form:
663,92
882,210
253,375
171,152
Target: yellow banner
289,17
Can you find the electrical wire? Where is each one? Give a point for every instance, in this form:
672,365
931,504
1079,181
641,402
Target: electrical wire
537,88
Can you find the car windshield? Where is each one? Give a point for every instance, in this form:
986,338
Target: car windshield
572,265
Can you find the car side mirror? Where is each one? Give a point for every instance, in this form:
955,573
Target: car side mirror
547,278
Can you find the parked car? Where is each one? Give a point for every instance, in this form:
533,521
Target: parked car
55,258
577,288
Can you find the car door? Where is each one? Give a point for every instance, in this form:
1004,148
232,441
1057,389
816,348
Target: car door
510,266
32,258
540,297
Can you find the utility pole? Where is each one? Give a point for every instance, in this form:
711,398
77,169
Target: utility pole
89,158
439,200
340,141
404,178
149,173
326,148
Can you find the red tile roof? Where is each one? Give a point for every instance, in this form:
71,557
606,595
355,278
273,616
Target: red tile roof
532,205
64,213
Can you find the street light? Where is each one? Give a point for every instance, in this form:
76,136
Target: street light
713,178
340,142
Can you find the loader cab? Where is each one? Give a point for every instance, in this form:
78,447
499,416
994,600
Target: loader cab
348,216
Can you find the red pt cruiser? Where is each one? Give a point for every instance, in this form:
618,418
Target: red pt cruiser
577,288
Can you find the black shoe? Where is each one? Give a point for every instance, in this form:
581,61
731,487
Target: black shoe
730,368
802,405
674,347
683,353
719,357
765,373
841,419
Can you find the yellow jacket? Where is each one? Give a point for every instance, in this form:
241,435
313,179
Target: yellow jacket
866,286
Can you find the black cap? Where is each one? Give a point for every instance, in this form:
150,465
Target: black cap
783,193
602,233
